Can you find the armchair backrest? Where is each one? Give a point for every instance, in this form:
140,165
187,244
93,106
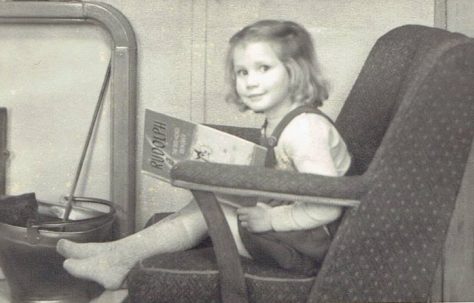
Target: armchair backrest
388,249
380,87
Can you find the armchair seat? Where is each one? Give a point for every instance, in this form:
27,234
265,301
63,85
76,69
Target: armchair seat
193,276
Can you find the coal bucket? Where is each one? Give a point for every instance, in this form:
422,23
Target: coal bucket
34,269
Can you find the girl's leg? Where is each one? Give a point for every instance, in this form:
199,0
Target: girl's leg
232,220
109,263
188,218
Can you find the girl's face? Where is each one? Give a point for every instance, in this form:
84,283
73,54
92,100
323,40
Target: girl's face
262,80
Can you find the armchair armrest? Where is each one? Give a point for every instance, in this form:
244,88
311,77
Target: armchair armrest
264,182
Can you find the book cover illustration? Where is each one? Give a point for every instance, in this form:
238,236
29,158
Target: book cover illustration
168,140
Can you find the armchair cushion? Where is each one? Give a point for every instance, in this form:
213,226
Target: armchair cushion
192,276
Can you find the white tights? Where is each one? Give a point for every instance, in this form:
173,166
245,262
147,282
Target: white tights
109,263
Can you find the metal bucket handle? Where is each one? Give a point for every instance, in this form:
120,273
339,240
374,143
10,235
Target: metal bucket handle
33,227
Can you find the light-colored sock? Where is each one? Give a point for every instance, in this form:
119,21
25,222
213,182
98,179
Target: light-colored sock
69,249
109,270
109,263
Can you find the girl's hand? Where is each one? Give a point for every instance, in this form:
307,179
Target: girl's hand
256,219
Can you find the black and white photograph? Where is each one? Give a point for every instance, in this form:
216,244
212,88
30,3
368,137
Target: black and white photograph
236,151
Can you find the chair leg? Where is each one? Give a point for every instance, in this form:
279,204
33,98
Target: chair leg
232,280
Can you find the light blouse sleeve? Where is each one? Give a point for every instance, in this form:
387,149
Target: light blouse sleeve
314,146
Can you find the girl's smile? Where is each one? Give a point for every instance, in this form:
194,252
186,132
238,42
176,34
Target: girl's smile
255,97
262,80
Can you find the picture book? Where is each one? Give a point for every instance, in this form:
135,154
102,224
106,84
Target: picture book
169,140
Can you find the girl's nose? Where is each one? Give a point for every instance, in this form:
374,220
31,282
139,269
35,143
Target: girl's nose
252,80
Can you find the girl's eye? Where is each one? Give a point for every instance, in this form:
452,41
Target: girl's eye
241,72
264,68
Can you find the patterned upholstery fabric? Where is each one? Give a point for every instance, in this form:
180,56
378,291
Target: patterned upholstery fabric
388,249
382,83
410,130
247,133
192,276
267,179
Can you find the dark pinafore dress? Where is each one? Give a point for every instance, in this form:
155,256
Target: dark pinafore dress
300,251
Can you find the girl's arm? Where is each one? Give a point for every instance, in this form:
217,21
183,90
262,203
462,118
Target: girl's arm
314,146
297,216
300,216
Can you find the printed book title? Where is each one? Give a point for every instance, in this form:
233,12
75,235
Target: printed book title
168,140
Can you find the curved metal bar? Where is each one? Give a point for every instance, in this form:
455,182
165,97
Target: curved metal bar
123,86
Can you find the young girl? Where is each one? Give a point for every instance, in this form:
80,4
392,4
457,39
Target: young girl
272,70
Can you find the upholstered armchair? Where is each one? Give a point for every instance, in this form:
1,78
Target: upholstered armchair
409,124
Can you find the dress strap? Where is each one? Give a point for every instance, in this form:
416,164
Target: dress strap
272,141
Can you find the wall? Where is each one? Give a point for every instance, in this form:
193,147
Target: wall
459,15
50,78
458,261
50,81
